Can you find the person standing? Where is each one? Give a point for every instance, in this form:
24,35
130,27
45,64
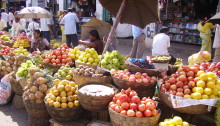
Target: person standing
161,43
62,27
10,16
3,24
216,44
45,25
205,30
138,46
69,21
5,17
17,27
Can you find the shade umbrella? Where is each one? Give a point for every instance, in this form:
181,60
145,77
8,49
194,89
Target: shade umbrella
136,12
33,12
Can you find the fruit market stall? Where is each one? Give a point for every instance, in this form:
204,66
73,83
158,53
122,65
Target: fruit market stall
66,86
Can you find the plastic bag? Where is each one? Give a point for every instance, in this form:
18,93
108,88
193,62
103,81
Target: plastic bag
216,43
199,57
5,90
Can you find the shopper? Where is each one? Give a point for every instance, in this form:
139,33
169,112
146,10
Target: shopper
62,27
161,43
3,24
5,17
94,41
10,16
69,21
205,30
138,46
33,25
17,26
45,25
39,43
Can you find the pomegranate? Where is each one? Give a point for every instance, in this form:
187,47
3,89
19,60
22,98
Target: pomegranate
118,102
150,105
135,99
179,84
113,106
138,114
173,87
124,98
190,74
186,68
191,84
133,106
141,107
154,112
167,85
125,106
147,113
118,109
182,78
180,94
187,92
130,113
172,80
123,112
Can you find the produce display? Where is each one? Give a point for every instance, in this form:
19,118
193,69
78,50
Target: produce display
160,59
23,71
22,40
134,77
11,64
142,63
63,94
128,103
189,82
55,44
75,53
21,50
37,86
65,72
5,50
5,38
113,60
96,90
59,57
175,121
88,72
209,67
90,56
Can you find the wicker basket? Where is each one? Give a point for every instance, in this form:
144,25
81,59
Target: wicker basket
36,110
51,67
91,66
193,109
85,80
64,115
118,119
143,89
172,69
23,82
94,103
18,102
16,87
134,68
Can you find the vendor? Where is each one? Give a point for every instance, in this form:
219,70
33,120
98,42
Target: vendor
39,43
17,26
161,43
94,41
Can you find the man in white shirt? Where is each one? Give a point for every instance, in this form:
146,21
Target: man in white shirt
69,21
45,25
161,43
17,27
3,24
10,16
138,46
33,25
5,17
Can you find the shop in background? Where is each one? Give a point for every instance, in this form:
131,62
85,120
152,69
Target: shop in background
182,17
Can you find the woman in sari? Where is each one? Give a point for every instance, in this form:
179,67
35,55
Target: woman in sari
205,30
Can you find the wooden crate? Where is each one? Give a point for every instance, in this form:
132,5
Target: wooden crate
80,122
99,123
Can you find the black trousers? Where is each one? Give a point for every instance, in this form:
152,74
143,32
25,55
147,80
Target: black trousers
72,39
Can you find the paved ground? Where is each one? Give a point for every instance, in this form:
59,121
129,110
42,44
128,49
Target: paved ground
14,117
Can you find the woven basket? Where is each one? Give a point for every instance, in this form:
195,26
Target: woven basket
64,115
85,80
193,109
118,119
16,87
143,89
36,110
134,68
91,66
94,103
23,82
18,102
172,69
51,67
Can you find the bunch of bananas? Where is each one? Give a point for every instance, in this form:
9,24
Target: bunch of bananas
21,50
21,43
179,62
55,43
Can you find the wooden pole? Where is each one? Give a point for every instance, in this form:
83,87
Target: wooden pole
110,36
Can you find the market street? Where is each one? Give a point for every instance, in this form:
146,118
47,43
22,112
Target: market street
16,117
